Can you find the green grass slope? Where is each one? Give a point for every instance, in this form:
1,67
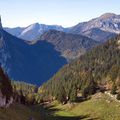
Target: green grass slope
18,112
99,107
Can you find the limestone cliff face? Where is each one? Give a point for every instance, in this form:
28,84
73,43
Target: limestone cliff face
2,100
0,23
6,91
1,36
4,54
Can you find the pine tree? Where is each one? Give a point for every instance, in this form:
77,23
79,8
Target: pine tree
73,94
114,88
22,97
30,99
85,92
61,94
118,96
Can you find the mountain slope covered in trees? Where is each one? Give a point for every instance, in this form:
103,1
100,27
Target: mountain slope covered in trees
98,68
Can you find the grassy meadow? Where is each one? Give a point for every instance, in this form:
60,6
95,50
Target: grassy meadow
99,107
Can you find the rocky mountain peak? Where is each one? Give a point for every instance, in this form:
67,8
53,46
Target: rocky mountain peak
0,22
33,26
107,15
0,28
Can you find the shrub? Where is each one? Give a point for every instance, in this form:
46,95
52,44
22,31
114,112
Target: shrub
113,90
30,99
118,96
73,94
85,92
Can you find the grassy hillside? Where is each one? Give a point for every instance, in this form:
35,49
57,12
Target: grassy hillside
18,112
99,107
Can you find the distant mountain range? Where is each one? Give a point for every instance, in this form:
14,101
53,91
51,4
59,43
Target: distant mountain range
33,31
99,29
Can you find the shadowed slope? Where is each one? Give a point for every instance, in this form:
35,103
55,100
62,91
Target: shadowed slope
30,63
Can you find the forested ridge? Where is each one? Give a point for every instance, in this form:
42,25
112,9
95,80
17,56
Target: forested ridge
98,68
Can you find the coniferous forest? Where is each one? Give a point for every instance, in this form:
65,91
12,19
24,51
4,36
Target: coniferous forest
97,69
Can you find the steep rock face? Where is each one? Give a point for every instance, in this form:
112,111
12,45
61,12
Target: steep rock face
31,32
2,100
6,91
4,55
0,22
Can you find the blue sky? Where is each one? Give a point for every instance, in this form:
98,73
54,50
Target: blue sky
62,12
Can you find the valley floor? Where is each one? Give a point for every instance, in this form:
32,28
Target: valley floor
99,107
